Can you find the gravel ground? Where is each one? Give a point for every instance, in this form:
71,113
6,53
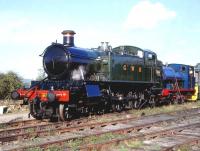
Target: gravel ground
14,112
14,117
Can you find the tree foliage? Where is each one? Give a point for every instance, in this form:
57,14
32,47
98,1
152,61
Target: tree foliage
9,82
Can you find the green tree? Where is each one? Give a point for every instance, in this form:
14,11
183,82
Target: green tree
8,83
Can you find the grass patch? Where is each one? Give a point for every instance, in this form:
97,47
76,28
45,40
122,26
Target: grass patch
75,144
122,148
165,109
103,138
107,119
35,149
134,144
188,147
184,148
2,126
29,130
54,148
129,145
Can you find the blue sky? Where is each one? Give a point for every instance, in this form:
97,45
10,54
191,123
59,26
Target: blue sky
171,28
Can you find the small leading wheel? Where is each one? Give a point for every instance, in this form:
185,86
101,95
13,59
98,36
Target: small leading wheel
34,109
64,112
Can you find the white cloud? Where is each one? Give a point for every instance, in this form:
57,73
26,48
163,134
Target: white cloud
147,15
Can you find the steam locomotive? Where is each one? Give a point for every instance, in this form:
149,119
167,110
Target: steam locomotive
104,79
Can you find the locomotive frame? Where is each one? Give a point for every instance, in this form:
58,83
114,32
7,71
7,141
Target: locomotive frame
84,81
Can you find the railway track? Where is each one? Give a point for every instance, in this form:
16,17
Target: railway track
20,123
151,139
18,127
13,131
81,131
34,122
31,122
34,128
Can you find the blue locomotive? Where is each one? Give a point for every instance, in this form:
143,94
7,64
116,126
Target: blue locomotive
104,79
179,80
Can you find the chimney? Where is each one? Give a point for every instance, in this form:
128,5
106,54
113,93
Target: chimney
68,37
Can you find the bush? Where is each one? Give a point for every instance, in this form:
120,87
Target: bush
8,83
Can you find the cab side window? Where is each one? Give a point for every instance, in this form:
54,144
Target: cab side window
151,56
